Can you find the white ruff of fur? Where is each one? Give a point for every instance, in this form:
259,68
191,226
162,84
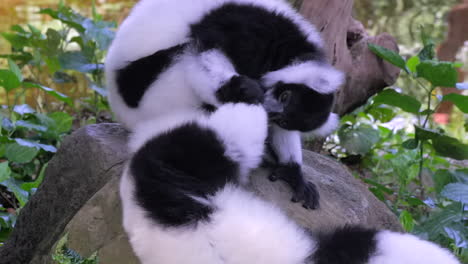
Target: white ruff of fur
286,144
393,248
322,78
243,130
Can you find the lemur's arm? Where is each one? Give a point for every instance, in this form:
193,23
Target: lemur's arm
214,79
286,145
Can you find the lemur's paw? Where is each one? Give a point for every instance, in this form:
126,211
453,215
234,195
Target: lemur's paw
241,89
303,191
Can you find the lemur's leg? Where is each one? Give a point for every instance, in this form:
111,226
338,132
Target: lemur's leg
243,129
213,77
287,147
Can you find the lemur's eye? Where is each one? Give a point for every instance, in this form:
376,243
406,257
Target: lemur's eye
284,97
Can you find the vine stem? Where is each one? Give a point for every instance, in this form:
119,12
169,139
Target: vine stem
421,144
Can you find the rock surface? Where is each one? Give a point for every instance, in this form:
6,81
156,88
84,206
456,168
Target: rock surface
79,196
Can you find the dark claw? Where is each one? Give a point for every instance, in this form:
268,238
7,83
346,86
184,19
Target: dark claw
303,191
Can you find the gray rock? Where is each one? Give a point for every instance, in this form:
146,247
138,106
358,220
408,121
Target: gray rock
79,196
85,162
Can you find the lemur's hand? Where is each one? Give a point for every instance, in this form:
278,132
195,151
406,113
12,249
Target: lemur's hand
303,191
241,89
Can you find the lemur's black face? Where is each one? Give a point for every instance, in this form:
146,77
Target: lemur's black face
297,107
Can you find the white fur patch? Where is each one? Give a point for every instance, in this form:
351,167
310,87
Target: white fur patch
320,77
206,72
246,229
147,129
397,248
286,144
243,129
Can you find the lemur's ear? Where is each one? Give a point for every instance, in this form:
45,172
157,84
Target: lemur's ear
321,77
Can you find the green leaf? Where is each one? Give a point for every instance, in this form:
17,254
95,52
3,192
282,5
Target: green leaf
459,234
413,201
30,126
5,171
9,80
383,114
53,63
410,144
20,154
63,122
76,60
438,221
389,56
425,134
456,192
450,147
35,30
15,40
461,101
442,178
18,28
407,221
53,42
393,98
15,69
427,112
7,124
67,16
427,53
358,140
51,91
32,144
412,63
438,73
14,187
23,109
99,31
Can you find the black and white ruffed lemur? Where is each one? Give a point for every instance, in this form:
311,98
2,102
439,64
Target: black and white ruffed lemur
184,201
195,55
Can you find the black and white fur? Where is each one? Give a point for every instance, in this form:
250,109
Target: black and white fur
193,55
183,202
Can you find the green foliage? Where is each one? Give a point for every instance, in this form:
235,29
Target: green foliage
40,62
65,255
403,161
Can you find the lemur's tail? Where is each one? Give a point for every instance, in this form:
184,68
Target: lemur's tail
175,172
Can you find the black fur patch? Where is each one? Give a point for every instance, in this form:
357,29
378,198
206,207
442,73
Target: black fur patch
134,79
305,110
188,160
256,40
350,245
241,89
209,108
